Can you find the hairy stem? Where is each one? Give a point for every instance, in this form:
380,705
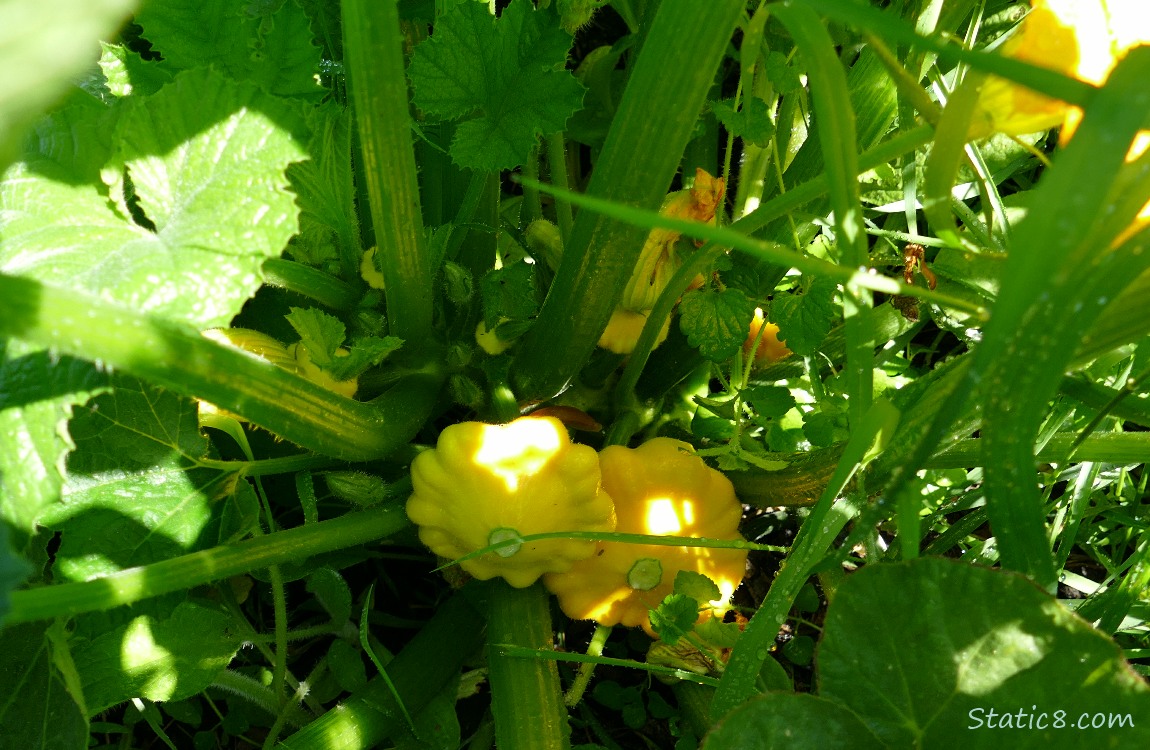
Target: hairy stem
184,572
177,357
378,87
638,161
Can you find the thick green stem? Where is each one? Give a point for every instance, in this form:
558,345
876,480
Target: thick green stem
557,162
419,672
525,696
195,569
373,54
310,282
638,161
178,358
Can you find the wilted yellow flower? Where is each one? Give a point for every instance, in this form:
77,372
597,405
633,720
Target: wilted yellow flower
658,262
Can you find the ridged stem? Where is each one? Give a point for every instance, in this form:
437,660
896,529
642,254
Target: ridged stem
178,358
195,569
373,55
639,158
526,699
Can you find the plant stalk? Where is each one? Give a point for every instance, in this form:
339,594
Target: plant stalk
639,158
526,699
373,54
177,357
195,569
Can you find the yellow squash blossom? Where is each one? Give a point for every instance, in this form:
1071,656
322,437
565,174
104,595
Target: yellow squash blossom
771,349
1083,39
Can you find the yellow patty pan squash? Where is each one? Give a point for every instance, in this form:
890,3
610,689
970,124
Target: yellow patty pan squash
658,489
486,483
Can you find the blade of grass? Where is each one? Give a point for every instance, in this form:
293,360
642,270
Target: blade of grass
1122,448
946,156
1040,317
365,642
1058,277
769,251
818,531
894,29
831,97
520,652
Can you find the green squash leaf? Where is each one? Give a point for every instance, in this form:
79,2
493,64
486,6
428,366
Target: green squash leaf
752,122
779,719
133,493
365,352
346,665
969,640
769,401
127,73
716,323
206,160
509,71
250,41
38,710
674,618
161,659
44,46
328,227
320,334
804,320
508,293
37,392
696,585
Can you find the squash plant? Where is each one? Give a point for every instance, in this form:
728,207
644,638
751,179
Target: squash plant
281,279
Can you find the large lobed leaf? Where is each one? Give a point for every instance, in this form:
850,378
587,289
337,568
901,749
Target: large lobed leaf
41,708
509,71
206,158
134,493
267,43
159,658
923,651
42,46
36,395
